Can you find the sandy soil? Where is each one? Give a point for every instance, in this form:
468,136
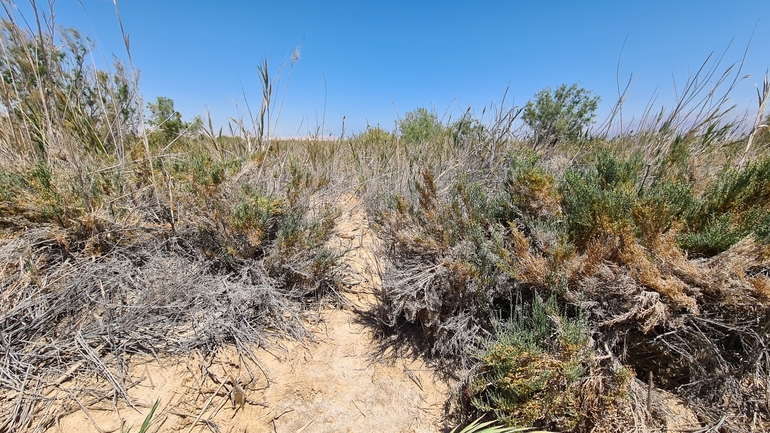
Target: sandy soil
341,381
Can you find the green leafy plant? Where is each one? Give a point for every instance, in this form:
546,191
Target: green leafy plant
167,121
561,114
534,371
420,126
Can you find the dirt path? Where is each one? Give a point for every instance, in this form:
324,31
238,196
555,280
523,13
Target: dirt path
339,382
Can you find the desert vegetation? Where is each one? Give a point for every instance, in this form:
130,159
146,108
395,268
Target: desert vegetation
561,272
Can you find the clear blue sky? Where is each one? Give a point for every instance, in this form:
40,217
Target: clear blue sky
443,54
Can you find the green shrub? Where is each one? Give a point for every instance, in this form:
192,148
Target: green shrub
420,126
597,200
735,205
374,137
201,169
11,185
165,118
606,198
533,372
562,114
252,215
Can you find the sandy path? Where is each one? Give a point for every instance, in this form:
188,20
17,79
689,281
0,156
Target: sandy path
339,382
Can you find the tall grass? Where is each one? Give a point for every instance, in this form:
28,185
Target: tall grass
197,239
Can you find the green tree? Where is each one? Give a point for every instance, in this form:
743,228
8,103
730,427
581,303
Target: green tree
420,126
562,114
468,130
165,118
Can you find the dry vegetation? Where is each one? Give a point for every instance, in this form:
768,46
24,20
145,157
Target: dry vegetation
554,280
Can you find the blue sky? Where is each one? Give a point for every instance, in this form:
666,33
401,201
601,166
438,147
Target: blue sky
447,55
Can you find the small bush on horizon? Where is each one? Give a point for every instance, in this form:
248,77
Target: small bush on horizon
167,122
560,115
374,136
468,130
420,126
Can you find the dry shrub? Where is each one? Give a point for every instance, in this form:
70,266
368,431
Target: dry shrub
624,410
656,272
647,273
728,275
535,192
74,305
155,274
648,312
453,265
672,260
530,267
635,298
761,284
587,264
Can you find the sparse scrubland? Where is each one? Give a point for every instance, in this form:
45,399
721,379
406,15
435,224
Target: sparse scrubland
554,271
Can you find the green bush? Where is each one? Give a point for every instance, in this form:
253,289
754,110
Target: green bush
562,114
734,206
170,129
200,168
532,373
420,126
597,199
374,137
605,198
252,215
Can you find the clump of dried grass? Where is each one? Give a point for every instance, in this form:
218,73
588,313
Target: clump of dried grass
117,248
85,299
710,356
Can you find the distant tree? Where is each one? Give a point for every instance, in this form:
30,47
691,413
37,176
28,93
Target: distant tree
562,114
164,117
375,136
420,126
468,130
